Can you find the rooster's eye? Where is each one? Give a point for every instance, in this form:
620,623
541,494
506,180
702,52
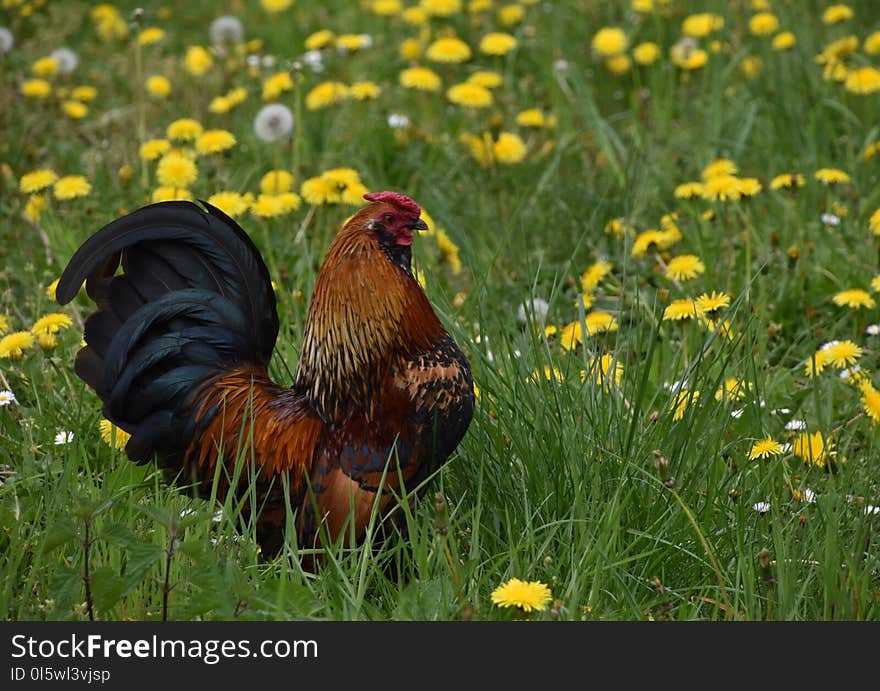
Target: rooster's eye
388,218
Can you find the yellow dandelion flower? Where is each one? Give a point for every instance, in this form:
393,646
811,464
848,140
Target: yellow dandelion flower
349,43
813,449
326,94
527,595
184,130
681,310
71,187
170,194
871,401
410,49
594,274
386,8
763,24
175,170
486,79
687,56
420,78
84,93
732,389
74,109
497,43
871,46
4,324
276,85
35,88
269,206
609,41
34,208
275,6
681,401
571,335
722,188
685,267
788,181
618,227
448,49
841,354
702,24
320,39
618,64
533,117
470,95
599,321
816,364
319,190
749,187
150,35
689,190
835,14
51,324
197,61
854,298
509,15
440,8
863,80
152,149
874,222
830,176
364,90
764,448
449,250
37,180
14,345
720,167
508,148
604,371
112,435
710,304
276,182
214,141
232,204
646,53
784,40
158,86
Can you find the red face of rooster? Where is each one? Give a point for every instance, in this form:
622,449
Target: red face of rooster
394,217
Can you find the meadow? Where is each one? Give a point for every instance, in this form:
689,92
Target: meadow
653,231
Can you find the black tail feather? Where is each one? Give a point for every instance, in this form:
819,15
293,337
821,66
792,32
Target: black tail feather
194,298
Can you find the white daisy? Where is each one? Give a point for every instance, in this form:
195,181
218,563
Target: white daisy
7,40
63,437
6,398
795,425
761,507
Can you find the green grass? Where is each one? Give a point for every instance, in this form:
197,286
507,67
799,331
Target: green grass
622,510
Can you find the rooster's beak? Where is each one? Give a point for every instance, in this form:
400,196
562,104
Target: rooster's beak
419,225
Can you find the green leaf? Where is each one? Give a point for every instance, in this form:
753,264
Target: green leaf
57,536
107,587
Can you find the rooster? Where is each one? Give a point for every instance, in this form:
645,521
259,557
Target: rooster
179,348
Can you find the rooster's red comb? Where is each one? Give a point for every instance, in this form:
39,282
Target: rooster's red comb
399,200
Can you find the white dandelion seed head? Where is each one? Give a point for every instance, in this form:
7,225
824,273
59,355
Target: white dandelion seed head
273,122
268,61
761,507
7,40
253,60
63,437
67,60
560,65
830,220
226,30
872,329
795,425
536,307
398,121
6,398
314,59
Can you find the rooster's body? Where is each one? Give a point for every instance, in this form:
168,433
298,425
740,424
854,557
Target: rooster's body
179,349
